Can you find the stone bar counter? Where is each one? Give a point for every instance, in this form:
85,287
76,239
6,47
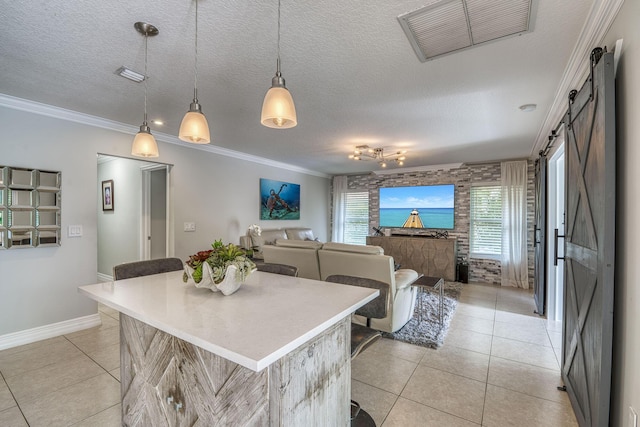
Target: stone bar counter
275,353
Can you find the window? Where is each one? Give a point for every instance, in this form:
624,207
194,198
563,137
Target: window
485,238
356,221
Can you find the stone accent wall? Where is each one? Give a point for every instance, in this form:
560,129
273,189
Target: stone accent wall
480,270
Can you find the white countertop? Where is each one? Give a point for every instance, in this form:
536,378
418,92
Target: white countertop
269,316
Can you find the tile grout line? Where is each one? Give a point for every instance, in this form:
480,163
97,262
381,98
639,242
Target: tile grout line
93,360
439,410
84,419
14,399
486,383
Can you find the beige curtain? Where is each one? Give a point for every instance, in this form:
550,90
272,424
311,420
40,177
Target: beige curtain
339,190
514,224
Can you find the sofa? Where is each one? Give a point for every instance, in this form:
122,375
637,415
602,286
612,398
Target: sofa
270,236
302,254
314,260
371,263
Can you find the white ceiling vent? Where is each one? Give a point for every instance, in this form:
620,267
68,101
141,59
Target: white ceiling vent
451,25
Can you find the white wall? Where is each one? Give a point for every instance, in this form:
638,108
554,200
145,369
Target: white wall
119,229
219,193
626,351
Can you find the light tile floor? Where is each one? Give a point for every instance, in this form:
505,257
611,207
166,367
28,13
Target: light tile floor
71,380
498,367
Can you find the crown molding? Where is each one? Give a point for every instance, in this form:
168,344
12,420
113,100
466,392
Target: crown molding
599,20
86,119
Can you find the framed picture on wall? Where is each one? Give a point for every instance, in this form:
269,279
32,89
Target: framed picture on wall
279,200
107,195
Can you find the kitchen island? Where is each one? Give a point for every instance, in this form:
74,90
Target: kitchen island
276,352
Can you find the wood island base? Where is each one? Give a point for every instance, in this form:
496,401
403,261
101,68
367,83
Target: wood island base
166,381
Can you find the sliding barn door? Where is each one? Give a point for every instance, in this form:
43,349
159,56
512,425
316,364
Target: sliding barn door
540,275
590,245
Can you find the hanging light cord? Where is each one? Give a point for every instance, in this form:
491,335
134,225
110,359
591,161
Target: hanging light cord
146,77
278,65
195,83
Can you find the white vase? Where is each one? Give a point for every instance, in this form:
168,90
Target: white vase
229,284
207,279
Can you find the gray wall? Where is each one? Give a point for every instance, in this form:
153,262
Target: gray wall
39,286
480,270
626,363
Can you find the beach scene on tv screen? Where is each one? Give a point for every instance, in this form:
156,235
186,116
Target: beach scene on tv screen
428,206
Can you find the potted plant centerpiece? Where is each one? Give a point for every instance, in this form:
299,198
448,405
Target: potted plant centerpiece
222,268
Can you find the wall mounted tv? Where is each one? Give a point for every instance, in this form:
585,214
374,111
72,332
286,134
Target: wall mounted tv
426,206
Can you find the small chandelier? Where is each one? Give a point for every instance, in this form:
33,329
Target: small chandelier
194,127
278,110
364,152
144,144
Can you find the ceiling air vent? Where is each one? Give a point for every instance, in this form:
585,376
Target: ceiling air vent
451,25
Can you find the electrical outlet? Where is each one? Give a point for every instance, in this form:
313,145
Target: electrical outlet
633,417
189,226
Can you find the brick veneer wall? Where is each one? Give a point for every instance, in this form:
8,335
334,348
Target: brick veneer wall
480,270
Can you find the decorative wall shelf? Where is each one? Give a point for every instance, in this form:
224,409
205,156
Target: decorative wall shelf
29,208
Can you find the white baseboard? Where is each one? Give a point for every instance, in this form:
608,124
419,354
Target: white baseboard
104,278
29,336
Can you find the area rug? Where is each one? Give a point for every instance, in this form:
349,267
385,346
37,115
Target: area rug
429,332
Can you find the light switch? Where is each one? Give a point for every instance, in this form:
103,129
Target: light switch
189,226
74,231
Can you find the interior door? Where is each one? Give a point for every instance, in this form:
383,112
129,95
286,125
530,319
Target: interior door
590,244
540,271
155,230
158,214
555,229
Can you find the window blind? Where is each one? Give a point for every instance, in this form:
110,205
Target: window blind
356,223
486,221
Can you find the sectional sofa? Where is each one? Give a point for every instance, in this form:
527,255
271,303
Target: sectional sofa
316,260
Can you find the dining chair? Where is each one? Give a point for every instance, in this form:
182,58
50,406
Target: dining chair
269,267
133,269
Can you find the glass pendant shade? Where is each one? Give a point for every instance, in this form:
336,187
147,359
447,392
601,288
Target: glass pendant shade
278,110
194,127
144,144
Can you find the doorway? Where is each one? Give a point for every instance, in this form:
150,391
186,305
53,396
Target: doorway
556,213
138,227
154,238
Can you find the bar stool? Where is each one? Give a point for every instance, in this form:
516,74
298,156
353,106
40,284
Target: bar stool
363,336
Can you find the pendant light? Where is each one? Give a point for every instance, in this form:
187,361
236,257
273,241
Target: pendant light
194,127
144,144
278,110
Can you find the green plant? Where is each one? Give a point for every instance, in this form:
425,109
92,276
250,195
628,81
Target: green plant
219,257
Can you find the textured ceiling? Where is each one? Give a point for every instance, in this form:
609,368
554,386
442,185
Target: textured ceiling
349,66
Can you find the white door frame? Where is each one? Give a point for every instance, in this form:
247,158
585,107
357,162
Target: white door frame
145,217
556,209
